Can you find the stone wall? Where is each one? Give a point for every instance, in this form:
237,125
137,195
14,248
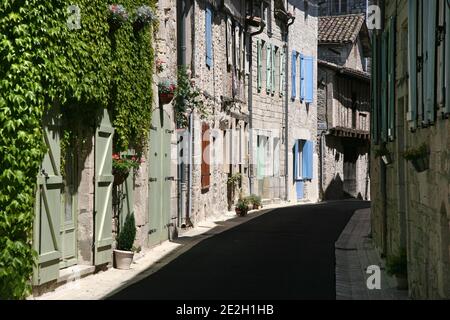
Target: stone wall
303,117
411,210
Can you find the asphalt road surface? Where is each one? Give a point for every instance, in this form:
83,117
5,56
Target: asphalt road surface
285,254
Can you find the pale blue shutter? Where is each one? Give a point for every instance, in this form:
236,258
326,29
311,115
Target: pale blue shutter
309,79
302,77
268,68
294,74
412,30
447,59
282,68
208,34
430,61
296,159
307,160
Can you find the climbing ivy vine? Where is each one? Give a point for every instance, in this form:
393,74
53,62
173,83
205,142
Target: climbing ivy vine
43,63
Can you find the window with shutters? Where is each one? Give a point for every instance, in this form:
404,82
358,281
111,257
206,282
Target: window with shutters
303,160
205,166
294,75
262,156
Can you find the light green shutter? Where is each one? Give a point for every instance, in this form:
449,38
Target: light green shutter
47,237
430,16
259,64
273,70
375,84
268,68
412,45
384,88
391,79
103,191
282,71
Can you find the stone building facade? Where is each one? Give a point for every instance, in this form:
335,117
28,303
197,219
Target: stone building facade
411,208
343,107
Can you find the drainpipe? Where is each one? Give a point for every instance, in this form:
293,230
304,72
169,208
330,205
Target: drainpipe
181,50
286,111
250,98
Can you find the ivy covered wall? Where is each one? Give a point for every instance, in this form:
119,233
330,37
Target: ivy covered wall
43,61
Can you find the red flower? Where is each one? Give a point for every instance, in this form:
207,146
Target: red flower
116,156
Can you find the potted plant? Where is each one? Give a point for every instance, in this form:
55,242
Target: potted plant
385,155
398,266
160,65
123,254
166,90
122,166
241,207
419,157
144,16
255,201
117,15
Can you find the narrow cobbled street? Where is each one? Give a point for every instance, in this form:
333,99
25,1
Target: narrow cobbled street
287,253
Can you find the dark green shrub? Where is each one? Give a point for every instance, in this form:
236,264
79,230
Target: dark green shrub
127,234
398,265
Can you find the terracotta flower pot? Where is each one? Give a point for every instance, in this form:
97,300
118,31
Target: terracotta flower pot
241,213
123,259
165,98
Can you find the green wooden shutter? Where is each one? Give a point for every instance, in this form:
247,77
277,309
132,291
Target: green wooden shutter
447,58
103,191
259,64
383,104
391,79
273,70
268,68
47,237
412,38
430,22
374,89
282,71
261,157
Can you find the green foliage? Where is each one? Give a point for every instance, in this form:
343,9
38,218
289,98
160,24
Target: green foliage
44,63
381,151
187,98
255,200
127,234
398,265
243,204
234,179
416,153
124,163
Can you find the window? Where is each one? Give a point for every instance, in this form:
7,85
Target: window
339,6
263,155
303,160
276,157
205,167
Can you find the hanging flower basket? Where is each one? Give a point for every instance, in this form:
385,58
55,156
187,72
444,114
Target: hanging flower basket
166,91
122,165
117,16
144,16
419,157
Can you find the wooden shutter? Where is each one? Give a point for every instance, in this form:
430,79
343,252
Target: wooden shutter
308,81
374,90
307,160
282,71
447,59
259,64
384,87
261,161
47,237
237,43
268,68
391,78
103,191
296,159
208,35
273,69
430,22
412,45
294,75
302,77
229,42
205,167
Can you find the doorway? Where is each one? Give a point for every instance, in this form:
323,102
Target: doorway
159,182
